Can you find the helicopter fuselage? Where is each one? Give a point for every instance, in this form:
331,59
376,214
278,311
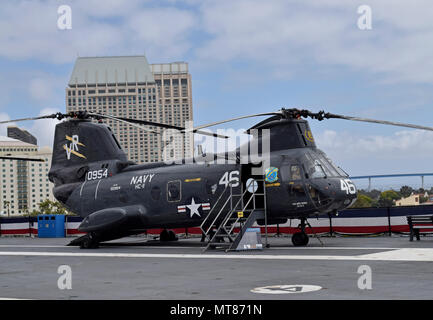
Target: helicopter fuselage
94,179
174,196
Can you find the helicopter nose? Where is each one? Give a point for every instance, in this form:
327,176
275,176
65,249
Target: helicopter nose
343,192
347,193
332,193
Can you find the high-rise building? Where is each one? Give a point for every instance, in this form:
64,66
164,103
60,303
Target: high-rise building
130,87
23,184
22,135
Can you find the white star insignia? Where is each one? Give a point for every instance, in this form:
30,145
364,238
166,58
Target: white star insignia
193,207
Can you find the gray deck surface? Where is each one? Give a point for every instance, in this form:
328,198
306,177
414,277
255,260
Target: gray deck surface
137,268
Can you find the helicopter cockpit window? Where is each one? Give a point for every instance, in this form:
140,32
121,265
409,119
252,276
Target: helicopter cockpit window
328,168
173,191
317,171
295,172
296,190
340,172
327,164
314,168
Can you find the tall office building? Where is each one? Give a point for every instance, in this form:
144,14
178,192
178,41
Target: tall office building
22,135
130,87
24,184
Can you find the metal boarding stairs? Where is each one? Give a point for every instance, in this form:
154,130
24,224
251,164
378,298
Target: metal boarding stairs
232,210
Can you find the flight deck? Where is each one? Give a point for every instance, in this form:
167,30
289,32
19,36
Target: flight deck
374,267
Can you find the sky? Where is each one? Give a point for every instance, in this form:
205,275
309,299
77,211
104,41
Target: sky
246,56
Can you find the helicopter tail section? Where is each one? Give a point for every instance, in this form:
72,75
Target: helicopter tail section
77,145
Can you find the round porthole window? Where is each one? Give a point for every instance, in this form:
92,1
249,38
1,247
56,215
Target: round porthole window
252,185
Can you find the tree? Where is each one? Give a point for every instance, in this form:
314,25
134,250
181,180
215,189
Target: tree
6,205
388,197
373,194
423,199
406,191
363,201
50,207
420,191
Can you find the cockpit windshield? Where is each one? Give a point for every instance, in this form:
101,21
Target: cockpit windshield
318,171
313,167
318,165
336,170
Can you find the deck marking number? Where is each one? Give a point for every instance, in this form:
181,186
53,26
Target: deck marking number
287,288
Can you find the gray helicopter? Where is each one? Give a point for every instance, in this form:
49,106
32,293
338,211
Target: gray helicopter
116,198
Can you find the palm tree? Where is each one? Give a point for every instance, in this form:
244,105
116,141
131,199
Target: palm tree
6,205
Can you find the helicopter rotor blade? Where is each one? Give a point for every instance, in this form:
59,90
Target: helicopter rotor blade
169,126
132,122
22,159
391,123
97,116
321,115
58,116
195,129
283,113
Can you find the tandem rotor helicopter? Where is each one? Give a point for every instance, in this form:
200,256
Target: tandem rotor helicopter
116,198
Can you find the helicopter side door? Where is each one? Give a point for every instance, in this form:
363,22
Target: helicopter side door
295,186
250,185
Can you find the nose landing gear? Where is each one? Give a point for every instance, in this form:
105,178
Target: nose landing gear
301,238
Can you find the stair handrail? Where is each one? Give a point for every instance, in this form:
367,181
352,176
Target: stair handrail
233,208
253,195
229,185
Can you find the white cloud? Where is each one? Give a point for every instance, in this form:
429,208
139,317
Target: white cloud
40,89
43,87
29,30
285,37
402,142
297,35
44,129
406,151
3,127
163,31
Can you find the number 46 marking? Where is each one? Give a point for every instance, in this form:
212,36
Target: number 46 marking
348,186
232,177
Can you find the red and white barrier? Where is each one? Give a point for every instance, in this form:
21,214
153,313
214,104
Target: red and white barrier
351,221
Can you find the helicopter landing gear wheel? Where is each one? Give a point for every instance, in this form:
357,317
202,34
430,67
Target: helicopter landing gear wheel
300,239
89,242
167,235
